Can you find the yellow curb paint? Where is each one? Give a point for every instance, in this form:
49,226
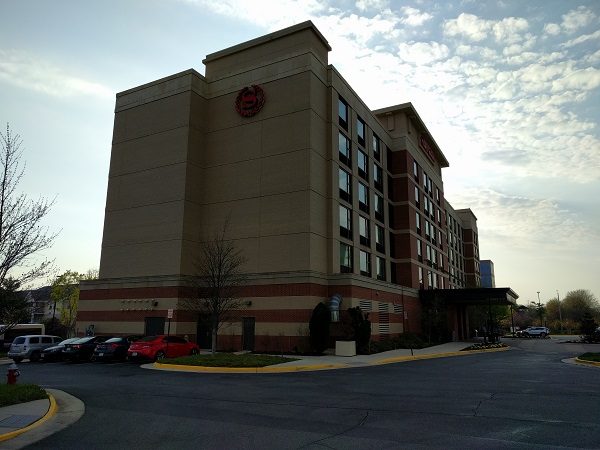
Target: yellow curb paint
267,369
436,355
591,363
51,412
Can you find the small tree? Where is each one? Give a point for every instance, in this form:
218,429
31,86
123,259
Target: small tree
21,232
319,328
65,296
217,283
14,308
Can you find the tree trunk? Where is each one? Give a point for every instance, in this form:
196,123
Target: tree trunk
215,327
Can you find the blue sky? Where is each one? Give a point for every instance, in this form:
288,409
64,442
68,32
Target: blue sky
510,91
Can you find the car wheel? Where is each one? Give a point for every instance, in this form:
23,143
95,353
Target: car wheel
543,335
159,355
34,357
194,351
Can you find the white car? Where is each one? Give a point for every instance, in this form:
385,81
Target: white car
534,332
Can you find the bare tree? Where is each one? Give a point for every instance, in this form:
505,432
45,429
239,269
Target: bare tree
217,282
21,232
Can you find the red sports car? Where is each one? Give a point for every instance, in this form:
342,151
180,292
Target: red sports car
161,346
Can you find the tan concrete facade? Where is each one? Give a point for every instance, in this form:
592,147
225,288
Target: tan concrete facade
184,162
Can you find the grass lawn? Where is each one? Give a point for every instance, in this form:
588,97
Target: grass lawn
11,394
591,357
228,360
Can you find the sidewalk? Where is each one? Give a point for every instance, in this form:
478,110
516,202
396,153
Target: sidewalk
328,362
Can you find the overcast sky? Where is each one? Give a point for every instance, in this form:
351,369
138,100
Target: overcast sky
509,89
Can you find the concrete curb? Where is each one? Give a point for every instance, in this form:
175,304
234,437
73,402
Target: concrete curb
266,369
52,409
311,367
587,363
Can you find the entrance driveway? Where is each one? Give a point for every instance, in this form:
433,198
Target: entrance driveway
522,398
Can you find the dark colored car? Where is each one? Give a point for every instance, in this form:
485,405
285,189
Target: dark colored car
55,353
161,346
114,348
82,349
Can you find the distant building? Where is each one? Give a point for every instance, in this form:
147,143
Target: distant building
325,197
487,273
40,304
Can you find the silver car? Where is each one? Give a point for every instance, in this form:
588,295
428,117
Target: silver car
31,346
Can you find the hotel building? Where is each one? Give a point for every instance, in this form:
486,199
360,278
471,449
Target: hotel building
323,196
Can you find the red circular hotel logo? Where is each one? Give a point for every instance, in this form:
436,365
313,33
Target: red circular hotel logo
250,101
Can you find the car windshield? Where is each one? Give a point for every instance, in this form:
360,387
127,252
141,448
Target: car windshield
68,341
148,339
111,340
83,340
19,340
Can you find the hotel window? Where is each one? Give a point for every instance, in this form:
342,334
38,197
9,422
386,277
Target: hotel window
439,216
343,113
441,260
379,239
363,165
428,253
440,238
427,232
417,196
378,177
376,147
415,170
437,195
429,186
345,185
419,250
418,222
424,181
433,258
379,207
345,222
345,258
420,277
345,153
434,281
429,279
380,263
363,230
365,263
360,131
363,197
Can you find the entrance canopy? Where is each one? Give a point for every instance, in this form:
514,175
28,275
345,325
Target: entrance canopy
472,296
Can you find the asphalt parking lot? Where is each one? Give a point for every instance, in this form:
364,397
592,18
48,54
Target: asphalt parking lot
523,398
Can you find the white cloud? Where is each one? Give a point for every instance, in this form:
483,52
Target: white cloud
552,29
422,53
469,26
414,17
577,18
378,5
509,30
29,72
581,39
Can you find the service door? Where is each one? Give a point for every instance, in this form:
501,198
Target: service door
248,325
154,326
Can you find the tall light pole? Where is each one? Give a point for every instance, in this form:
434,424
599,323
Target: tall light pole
539,305
559,313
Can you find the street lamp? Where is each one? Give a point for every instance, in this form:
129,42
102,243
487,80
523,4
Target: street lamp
559,313
539,305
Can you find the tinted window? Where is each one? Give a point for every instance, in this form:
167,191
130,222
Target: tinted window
46,340
68,341
175,340
148,338
34,340
19,340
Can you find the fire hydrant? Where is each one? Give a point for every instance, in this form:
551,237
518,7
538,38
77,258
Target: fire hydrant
12,374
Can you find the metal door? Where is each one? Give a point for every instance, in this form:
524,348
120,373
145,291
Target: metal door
248,326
